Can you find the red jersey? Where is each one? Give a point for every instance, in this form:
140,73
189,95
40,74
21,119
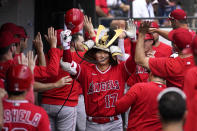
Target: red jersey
78,60
4,67
57,96
102,89
171,69
24,116
142,98
190,89
42,72
103,5
163,50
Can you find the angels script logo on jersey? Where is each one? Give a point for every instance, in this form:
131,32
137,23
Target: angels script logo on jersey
103,86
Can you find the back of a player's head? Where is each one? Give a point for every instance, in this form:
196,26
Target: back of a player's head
172,105
75,37
19,79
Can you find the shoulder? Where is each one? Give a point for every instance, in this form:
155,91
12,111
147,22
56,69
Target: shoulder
139,85
191,72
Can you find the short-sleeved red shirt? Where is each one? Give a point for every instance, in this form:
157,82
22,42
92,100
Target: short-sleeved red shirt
190,89
171,69
143,115
163,50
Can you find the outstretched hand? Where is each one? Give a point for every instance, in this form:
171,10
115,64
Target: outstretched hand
31,60
88,26
28,60
131,29
38,43
63,81
52,37
144,27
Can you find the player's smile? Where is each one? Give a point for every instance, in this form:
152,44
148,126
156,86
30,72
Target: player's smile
102,57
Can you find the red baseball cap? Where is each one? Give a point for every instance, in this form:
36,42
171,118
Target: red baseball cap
154,25
14,29
181,37
149,36
178,14
7,38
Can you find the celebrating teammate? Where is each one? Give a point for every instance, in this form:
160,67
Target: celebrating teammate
141,97
190,91
102,82
171,69
19,114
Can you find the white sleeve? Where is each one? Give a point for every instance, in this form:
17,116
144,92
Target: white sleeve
71,68
150,8
124,56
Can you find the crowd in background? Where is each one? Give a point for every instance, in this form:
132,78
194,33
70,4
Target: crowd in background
140,9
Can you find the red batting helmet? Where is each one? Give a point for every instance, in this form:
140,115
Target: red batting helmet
74,19
19,78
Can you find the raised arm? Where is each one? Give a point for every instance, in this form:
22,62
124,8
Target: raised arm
38,44
140,57
163,33
88,27
52,67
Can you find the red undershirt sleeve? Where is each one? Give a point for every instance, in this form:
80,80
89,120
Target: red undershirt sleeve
123,104
52,67
161,67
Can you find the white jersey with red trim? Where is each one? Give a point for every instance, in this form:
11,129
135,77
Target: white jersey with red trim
20,115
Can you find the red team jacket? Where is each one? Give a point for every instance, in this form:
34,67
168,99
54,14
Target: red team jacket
57,96
52,68
142,98
102,89
171,69
190,89
19,115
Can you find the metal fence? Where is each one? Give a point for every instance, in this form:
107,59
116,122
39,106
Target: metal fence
192,20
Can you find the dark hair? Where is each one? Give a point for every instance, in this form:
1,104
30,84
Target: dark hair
90,56
75,37
172,107
184,21
5,49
